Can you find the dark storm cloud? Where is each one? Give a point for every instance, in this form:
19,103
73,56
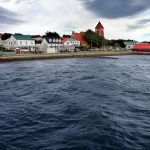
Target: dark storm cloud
8,17
116,8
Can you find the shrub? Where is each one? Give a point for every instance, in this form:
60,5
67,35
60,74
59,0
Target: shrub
5,49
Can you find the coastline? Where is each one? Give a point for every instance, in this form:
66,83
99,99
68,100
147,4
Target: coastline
83,54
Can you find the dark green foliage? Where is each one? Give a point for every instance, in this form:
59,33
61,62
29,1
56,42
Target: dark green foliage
94,39
5,36
146,42
66,36
18,34
2,48
52,34
119,42
5,50
35,36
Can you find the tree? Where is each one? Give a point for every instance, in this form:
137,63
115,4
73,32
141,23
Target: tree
66,36
52,34
119,42
94,39
6,36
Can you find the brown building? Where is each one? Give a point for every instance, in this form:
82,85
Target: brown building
99,29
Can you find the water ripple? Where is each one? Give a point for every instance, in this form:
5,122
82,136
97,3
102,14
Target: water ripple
75,104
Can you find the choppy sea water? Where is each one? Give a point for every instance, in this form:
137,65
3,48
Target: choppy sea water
75,104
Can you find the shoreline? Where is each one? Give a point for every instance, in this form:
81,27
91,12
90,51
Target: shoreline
83,54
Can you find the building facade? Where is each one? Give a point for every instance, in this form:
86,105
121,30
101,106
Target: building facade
24,42
50,45
80,37
99,29
70,44
129,44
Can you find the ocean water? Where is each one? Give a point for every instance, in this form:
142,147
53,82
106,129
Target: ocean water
75,104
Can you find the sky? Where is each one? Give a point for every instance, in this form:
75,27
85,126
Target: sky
122,19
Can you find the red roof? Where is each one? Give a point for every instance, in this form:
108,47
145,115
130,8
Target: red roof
63,40
80,37
99,26
143,47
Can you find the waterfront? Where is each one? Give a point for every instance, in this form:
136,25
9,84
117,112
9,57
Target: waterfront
75,104
80,54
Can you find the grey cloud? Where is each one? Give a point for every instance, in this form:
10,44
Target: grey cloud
8,17
139,24
6,12
116,8
18,1
144,21
9,20
146,34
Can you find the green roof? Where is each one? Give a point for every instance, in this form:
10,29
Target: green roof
22,37
130,42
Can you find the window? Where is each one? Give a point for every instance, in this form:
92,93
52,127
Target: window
26,42
31,42
20,42
14,42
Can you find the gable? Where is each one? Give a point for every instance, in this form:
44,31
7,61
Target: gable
99,26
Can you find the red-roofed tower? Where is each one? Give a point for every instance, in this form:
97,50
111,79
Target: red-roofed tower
99,29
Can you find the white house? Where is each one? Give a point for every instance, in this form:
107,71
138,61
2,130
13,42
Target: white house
70,44
6,43
50,45
130,44
24,42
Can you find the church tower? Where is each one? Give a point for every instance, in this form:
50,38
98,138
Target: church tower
99,29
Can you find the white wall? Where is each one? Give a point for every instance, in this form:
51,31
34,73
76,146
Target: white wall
71,42
51,50
24,43
44,46
128,47
12,42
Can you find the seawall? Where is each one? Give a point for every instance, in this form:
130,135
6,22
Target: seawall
101,54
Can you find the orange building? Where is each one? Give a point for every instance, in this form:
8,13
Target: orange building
80,37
